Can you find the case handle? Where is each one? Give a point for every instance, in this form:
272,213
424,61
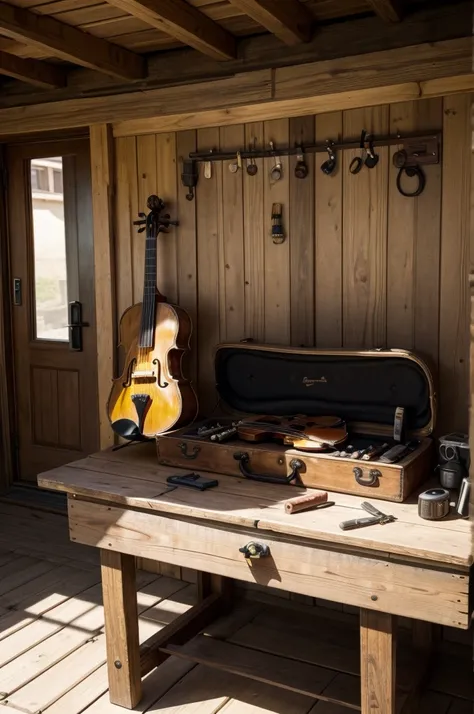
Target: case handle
370,480
244,460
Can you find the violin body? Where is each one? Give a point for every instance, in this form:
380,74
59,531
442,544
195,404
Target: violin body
152,396
304,433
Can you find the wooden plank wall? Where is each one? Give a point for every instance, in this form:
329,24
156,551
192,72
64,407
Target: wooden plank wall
362,266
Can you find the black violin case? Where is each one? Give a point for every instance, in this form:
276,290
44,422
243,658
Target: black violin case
362,387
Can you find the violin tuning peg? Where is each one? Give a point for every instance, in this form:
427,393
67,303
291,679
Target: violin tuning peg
141,230
141,214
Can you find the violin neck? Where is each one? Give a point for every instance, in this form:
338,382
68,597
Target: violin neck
147,326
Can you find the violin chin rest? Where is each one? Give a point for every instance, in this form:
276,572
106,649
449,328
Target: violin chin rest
128,429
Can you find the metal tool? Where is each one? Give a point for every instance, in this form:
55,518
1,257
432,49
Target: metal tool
371,159
208,168
224,435
208,430
396,453
301,168
329,166
192,480
376,517
252,168
237,164
277,169
374,452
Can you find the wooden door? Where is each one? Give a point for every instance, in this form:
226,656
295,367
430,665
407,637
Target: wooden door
51,249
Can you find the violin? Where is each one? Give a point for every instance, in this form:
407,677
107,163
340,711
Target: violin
152,396
301,432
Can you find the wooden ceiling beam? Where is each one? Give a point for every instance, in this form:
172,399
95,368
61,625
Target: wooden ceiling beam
289,20
387,10
41,74
185,23
69,43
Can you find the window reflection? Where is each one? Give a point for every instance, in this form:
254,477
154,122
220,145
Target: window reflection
49,237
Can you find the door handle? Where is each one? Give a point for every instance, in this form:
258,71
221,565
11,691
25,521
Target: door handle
75,326
17,292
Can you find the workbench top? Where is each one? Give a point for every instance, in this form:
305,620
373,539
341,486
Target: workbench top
131,476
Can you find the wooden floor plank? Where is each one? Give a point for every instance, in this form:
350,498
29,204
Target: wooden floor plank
331,644
49,581
26,612
82,695
21,572
69,672
154,687
287,674
46,641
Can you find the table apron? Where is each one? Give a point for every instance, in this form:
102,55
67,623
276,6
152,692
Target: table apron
431,593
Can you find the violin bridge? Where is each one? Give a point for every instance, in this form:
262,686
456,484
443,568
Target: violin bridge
143,374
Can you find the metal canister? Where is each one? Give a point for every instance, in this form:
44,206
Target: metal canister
433,504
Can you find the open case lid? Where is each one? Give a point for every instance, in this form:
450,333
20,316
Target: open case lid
362,387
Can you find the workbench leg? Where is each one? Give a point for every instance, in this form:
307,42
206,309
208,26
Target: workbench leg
121,628
378,632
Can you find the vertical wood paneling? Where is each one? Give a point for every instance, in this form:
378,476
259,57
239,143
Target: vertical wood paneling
328,238
301,237
125,187
277,257
208,225
102,148
361,266
365,237
147,185
167,189
254,239
232,260
454,293
414,242
428,245
186,248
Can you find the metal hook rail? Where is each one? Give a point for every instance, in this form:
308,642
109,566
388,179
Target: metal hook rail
424,148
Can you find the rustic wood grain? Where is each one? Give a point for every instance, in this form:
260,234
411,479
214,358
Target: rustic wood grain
186,247
277,257
167,189
254,238
328,239
454,295
208,240
294,565
121,628
70,44
301,235
290,21
126,207
365,237
102,176
378,665
232,259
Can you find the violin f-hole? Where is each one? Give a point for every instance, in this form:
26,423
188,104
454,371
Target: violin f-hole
128,381
158,371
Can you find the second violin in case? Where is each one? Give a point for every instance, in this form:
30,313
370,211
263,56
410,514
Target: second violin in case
302,416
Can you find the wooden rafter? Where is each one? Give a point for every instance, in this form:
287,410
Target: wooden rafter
69,43
41,74
387,10
185,23
289,20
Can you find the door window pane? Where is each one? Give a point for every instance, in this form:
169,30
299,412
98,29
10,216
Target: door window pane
49,239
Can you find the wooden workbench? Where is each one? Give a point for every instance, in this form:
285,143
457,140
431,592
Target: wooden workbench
120,502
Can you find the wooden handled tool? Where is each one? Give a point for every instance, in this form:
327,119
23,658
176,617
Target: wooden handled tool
302,503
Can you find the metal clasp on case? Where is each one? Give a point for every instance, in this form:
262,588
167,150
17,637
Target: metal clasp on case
183,447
